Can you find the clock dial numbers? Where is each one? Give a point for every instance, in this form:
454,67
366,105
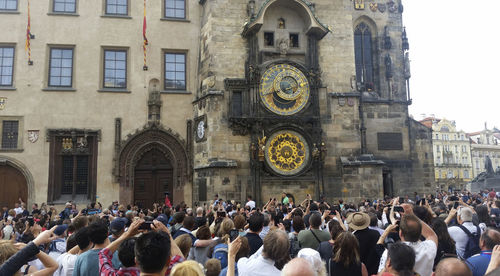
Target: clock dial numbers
284,89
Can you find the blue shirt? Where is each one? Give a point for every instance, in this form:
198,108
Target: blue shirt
479,262
87,264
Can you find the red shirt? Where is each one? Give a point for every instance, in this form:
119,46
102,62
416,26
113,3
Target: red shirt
106,267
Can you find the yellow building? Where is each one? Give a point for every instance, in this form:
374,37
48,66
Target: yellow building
452,154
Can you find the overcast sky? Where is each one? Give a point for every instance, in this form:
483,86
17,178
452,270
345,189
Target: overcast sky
455,59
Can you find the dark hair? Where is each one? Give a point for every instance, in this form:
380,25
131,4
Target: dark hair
315,220
490,238
313,207
411,228
256,222
70,243
423,214
98,232
82,237
482,214
373,219
179,217
203,233
126,253
335,228
346,249
249,197
80,222
402,258
441,230
298,223
189,223
152,251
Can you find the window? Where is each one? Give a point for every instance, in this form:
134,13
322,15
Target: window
294,40
363,57
269,39
175,9
115,69
437,136
175,71
466,174
438,160
6,66
456,149
10,132
72,163
8,5
68,6
477,164
119,7
237,104
438,148
61,67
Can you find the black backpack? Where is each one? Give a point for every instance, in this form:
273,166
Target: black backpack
294,246
472,246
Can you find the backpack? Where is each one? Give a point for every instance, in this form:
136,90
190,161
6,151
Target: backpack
472,246
220,253
294,246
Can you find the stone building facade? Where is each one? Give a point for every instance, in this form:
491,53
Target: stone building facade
452,154
240,97
484,146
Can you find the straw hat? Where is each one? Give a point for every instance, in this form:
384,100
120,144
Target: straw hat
358,221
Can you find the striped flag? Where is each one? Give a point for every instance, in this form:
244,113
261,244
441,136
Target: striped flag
27,47
145,39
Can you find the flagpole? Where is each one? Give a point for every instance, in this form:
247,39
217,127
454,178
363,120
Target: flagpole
145,40
27,47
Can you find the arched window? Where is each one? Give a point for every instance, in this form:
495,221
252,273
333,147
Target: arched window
363,57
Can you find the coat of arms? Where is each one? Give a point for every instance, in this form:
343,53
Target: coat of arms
359,4
33,135
373,7
381,7
341,101
2,102
392,7
350,101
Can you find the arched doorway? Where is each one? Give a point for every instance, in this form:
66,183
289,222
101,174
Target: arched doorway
13,185
152,178
156,156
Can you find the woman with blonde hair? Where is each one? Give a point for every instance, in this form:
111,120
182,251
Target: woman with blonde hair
187,268
21,252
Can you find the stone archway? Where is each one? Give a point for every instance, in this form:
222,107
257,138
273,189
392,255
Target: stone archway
153,138
19,173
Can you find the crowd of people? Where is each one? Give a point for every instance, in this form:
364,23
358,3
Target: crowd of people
441,234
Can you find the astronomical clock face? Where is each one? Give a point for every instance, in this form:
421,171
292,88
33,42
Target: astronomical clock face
200,131
284,89
287,152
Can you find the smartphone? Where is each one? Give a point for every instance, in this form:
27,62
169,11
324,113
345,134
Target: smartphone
233,234
397,227
399,209
424,201
455,205
221,214
145,225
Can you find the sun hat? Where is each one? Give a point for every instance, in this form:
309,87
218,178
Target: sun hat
358,220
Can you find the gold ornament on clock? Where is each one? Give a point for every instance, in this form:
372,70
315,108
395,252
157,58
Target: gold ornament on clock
287,152
284,89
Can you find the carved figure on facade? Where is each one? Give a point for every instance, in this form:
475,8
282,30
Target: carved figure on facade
262,147
281,23
407,72
251,9
388,66
283,46
392,6
387,39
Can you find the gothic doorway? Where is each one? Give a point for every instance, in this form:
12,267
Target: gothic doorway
153,177
13,185
151,162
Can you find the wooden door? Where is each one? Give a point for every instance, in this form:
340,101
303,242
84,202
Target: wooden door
153,177
12,186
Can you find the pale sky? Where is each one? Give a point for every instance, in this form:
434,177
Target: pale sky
455,59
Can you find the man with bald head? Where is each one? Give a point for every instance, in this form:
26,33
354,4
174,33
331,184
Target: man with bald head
452,267
479,262
298,267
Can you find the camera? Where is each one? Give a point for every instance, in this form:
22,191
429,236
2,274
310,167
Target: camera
233,234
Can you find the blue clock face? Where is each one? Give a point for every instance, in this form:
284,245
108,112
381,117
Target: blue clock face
284,89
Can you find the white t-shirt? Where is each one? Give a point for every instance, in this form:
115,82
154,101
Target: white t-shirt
460,237
66,264
257,265
425,252
18,210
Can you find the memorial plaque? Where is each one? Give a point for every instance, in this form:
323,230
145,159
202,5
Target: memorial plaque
390,141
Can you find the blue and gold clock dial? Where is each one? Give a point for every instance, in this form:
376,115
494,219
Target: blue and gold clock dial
284,89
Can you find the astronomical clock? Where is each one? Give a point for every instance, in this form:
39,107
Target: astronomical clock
284,89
